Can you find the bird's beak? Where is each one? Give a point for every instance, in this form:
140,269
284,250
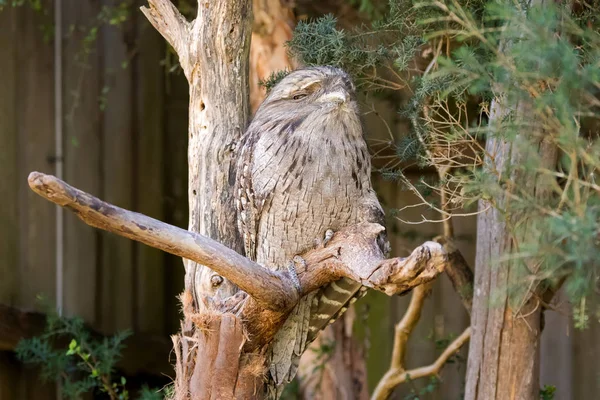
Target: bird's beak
338,96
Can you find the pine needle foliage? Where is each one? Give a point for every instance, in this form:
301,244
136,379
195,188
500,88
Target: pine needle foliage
475,70
87,365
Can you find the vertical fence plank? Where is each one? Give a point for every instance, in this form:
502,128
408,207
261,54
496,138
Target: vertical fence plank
117,183
82,150
175,185
556,350
586,353
9,373
9,222
151,296
35,133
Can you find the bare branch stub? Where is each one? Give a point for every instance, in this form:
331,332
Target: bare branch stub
169,22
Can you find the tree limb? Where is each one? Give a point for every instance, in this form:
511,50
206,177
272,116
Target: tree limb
169,22
404,328
351,253
396,376
269,288
458,271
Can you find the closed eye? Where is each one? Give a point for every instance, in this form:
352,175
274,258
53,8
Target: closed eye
299,96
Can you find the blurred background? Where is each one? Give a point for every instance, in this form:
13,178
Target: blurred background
123,106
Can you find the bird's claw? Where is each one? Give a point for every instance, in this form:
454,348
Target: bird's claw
328,236
292,269
322,242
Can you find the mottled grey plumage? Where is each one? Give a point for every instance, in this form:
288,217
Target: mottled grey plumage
303,168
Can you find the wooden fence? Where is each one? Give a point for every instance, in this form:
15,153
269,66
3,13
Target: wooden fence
125,135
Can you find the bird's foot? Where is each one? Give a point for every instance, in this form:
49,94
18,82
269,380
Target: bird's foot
296,264
322,242
328,236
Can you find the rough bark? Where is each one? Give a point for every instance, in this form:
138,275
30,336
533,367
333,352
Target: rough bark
213,52
504,349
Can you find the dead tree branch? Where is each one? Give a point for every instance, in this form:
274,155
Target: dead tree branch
173,26
397,374
458,271
269,288
395,377
352,252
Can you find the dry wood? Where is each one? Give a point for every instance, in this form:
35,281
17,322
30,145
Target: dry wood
461,277
458,271
213,52
395,377
268,287
504,353
352,252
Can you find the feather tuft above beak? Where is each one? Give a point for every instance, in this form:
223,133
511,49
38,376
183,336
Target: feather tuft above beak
338,96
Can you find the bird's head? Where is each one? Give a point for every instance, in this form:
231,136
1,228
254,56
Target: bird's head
311,92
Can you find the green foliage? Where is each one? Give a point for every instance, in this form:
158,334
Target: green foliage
273,79
547,392
534,74
392,39
86,365
549,68
421,393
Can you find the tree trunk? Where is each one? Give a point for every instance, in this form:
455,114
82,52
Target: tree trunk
213,52
504,350
506,326
219,45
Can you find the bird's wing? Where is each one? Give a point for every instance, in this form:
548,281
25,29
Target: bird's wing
333,299
248,203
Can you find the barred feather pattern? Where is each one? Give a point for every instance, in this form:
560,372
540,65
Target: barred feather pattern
303,168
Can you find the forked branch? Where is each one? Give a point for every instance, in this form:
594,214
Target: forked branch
397,374
395,377
352,252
